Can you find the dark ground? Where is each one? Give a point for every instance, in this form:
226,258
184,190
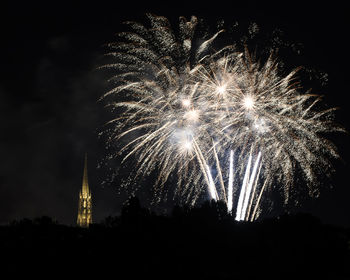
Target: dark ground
200,243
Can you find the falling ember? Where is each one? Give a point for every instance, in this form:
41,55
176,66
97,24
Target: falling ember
174,99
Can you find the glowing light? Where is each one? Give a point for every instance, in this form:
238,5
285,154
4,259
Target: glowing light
192,115
186,102
260,126
183,139
248,102
221,89
187,146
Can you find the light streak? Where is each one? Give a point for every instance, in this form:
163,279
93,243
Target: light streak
212,188
243,190
230,185
249,188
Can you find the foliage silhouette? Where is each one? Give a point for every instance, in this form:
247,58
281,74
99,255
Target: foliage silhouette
193,243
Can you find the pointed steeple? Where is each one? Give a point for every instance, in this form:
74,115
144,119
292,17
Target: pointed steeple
85,186
85,203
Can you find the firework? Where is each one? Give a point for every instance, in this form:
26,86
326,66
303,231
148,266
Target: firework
186,109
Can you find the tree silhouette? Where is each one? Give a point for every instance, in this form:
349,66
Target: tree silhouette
132,212
201,242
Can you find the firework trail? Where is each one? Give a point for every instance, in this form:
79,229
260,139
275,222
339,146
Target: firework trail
243,191
175,98
212,188
230,185
248,189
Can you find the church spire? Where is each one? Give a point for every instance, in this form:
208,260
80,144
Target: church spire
85,204
85,187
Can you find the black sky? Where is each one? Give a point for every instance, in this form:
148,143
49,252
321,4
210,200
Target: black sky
49,114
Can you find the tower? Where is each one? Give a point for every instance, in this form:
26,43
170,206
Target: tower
85,205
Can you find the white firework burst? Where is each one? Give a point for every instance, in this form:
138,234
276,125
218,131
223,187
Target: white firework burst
190,108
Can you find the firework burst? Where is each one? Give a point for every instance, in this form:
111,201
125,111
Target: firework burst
218,119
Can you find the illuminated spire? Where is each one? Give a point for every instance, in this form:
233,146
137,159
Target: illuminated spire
85,187
85,204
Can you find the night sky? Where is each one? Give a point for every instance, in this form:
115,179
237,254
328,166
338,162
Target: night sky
49,90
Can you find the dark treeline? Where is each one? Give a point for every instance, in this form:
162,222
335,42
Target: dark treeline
196,243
